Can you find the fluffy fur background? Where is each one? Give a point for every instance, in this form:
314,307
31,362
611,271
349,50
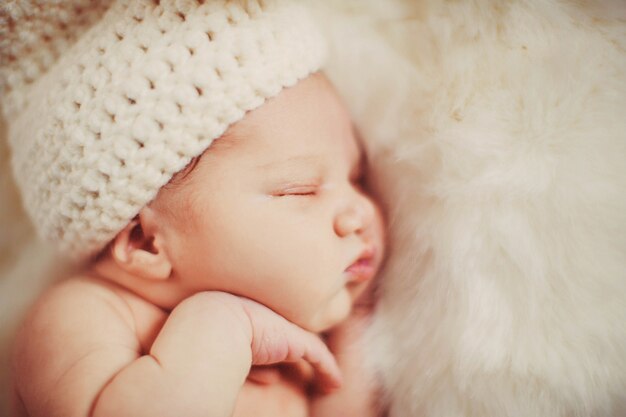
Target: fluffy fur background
497,132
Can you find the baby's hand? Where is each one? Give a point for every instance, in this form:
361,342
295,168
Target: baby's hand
276,340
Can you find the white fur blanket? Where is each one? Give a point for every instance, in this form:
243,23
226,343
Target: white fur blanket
497,136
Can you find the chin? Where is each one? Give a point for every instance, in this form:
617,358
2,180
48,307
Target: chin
326,319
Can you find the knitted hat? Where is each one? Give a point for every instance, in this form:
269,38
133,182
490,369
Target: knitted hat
108,99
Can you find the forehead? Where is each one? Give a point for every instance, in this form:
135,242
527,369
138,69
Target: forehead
301,128
303,122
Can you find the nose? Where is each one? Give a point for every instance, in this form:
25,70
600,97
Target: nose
355,216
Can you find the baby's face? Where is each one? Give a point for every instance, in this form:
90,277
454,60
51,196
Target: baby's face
276,212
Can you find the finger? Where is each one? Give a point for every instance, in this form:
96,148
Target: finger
298,344
301,370
317,354
264,375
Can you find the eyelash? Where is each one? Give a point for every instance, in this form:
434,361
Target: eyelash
311,191
295,192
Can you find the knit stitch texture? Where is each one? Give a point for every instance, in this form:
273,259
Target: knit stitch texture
108,101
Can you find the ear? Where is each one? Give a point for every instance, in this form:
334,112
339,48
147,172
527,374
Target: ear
138,248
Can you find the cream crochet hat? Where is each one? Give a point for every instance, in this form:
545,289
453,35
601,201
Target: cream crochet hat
108,99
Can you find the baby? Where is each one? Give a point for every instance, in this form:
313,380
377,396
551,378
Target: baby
261,243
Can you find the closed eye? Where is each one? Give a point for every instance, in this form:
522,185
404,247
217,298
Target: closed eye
303,191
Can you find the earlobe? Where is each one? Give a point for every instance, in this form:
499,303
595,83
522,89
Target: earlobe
139,251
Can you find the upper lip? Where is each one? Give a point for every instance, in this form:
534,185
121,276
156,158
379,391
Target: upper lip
366,254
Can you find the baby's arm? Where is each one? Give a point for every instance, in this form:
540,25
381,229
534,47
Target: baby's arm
196,366
202,356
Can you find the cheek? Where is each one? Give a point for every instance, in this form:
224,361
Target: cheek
177,208
250,247
198,236
295,252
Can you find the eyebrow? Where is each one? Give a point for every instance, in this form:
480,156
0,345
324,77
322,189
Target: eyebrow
292,161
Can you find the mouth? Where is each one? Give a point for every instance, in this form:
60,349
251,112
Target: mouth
364,267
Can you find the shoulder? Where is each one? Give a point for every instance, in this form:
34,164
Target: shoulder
77,311
73,310
74,303
77,326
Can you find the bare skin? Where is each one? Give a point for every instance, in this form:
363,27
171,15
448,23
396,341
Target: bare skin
141,349
266,244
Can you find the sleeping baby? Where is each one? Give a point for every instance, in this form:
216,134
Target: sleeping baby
223,229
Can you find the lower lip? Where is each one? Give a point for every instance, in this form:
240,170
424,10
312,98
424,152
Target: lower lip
361,271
